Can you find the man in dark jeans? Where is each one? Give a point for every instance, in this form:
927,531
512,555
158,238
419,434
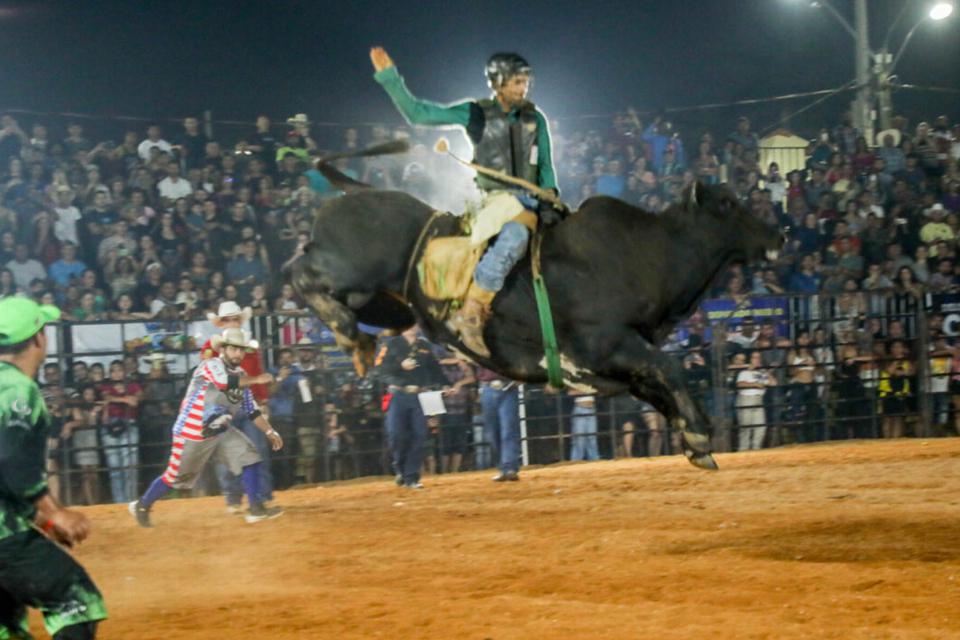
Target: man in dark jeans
408,366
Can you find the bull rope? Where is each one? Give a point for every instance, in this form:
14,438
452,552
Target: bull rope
412,262
550,348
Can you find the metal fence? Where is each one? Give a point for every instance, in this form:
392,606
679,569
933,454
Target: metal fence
843,383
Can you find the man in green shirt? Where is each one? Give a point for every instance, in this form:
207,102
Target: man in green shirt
34,570
509,134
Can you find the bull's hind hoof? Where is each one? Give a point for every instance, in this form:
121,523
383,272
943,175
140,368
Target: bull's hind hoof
702,460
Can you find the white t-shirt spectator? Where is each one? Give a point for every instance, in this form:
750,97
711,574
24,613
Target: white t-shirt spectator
778,190
26,272
742,340
755,376
143,149
65,226
174,190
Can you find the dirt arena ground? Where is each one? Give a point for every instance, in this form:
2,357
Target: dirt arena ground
854,540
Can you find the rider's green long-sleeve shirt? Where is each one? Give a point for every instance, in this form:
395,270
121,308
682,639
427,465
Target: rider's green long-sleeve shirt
463,114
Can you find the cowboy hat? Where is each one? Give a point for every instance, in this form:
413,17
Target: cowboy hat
894,133
234,338
156,358
300,118
229,309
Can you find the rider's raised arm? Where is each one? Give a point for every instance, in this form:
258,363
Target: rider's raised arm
417,111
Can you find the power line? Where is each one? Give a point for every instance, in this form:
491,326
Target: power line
822,95
920,87
589,116
850,86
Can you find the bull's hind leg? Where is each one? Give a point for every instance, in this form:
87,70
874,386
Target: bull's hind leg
343,322
658,379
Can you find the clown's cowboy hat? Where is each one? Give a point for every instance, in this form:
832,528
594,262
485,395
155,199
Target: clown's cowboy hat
229,309
234,338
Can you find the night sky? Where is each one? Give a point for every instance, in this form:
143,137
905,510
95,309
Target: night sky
169,59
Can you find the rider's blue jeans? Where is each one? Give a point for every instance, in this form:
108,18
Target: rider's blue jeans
510,246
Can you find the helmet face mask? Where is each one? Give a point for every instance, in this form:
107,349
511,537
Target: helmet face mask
503,66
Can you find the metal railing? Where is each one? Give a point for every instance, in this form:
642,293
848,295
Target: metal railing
839,398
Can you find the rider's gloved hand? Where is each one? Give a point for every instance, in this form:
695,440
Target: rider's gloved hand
549,215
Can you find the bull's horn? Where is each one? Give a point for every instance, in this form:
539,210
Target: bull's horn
693,193
442,146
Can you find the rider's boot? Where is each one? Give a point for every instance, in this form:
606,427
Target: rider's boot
469,321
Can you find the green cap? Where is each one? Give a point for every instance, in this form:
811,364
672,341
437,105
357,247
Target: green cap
22,318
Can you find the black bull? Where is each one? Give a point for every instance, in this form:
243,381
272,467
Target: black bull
619,280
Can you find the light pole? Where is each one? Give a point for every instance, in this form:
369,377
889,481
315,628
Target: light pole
879,77
862,105
886,63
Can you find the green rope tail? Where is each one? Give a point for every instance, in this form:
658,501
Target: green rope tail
550,348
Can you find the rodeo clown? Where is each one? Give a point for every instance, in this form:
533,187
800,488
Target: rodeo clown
509,134
229,315
205,429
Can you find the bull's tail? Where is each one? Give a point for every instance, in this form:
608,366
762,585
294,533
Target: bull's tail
339,180
344,182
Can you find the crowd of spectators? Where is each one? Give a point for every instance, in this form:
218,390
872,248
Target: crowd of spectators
119,229
164,225
855,212
871,255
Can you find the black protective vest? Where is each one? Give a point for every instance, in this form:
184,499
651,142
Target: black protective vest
505,146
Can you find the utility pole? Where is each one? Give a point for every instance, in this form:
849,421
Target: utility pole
883,72
886,62
863,106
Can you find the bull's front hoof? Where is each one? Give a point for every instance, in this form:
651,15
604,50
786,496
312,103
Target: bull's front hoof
703,461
